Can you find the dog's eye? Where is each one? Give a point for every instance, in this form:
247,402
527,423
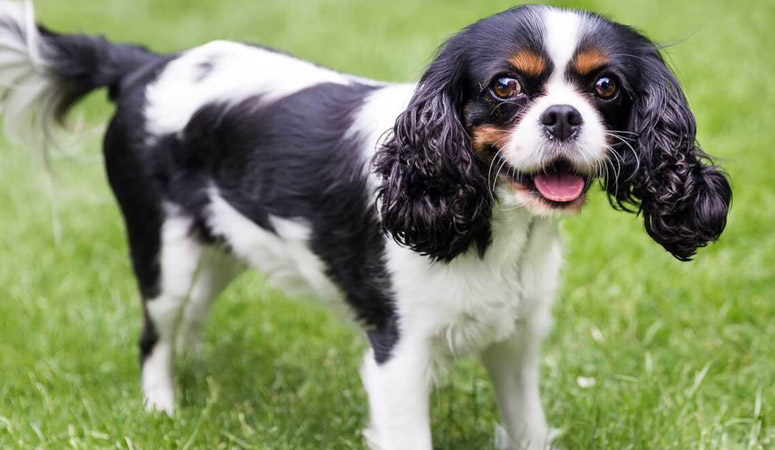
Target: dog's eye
605,88
505,88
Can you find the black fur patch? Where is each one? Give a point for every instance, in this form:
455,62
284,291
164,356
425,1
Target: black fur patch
148,338
291,159
203,70
139,194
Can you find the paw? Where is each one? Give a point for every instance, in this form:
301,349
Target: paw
160,400
540,439
158,392
157,380
405,440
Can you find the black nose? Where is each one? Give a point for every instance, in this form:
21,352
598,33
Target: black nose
562,121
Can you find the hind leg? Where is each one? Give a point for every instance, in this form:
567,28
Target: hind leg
191,276
178,264
216,269
166,255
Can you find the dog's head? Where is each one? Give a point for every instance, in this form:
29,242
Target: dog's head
526,109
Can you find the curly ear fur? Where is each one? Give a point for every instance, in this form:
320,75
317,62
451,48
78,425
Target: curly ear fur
434,195
682,196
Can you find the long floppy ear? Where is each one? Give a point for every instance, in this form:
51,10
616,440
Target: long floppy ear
682,195
434,193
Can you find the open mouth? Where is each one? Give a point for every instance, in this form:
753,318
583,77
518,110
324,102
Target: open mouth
558,184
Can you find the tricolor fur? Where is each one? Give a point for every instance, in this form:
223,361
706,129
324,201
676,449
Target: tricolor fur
424,211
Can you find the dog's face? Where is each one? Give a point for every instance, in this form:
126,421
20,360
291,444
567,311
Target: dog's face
544,105
526,109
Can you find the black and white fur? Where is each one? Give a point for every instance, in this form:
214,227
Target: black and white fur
369,196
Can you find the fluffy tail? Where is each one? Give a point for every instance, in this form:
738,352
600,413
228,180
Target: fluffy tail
43,74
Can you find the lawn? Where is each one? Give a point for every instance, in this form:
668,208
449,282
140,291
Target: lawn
645,353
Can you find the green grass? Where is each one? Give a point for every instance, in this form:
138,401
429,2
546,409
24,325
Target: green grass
681,354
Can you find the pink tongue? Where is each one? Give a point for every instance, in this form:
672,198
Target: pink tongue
559,187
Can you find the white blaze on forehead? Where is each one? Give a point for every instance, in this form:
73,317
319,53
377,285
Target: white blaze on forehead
563,29
529,148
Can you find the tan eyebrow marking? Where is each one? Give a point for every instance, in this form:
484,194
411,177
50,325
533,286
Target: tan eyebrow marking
486,135
528,63
589,60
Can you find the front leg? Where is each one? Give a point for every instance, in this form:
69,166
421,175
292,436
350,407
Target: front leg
513,368
398,391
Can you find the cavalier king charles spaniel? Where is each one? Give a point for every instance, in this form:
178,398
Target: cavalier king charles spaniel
423,211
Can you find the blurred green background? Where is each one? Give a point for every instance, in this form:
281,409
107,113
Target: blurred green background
646,352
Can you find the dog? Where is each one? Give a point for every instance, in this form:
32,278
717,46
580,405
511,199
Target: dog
426,211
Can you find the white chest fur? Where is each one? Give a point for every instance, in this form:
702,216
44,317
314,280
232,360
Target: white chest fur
474,301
